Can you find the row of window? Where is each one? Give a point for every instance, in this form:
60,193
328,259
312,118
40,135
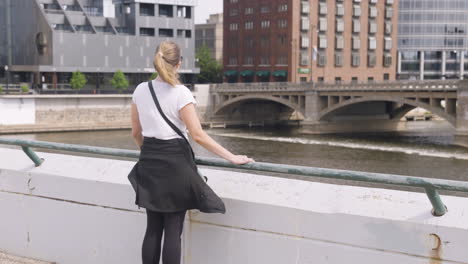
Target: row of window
163,10
265,24
355,42
338,80
339,59
263,10
165,32
263,61
340,10
264,41
340,25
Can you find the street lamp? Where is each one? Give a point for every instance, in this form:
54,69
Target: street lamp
7,78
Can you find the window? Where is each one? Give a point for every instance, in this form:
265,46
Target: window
265,60
322,8
249,25
233,1
282,40
303,79
233,12
166,11
339,10
338,80
356,10
373,11
320,80
370,79
386,76
283,23
166,32
372,43
388,28
180,33
388,43
305,7
356,26
355,59
322,41
264,9
184,11
249,43
322,59
146,9
282,60
283,8
304,23
265,24
188,33
356,43
232,60
387,60
372,27
249,11
147,32
338,59
339,25
371,60
233,27
304,41
265,42
339,42
304,58
389,12
322,24
248,60
354,79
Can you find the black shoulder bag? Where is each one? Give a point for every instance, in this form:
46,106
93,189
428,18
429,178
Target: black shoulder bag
174,127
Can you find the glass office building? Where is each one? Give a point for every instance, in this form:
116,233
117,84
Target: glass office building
432,39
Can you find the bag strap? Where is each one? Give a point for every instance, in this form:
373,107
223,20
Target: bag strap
174,127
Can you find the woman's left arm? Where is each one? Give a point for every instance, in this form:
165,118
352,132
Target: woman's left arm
136,127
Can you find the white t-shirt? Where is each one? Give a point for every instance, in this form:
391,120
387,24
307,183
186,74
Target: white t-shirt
171,99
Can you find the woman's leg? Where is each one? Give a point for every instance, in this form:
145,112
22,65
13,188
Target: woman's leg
173,226
151,249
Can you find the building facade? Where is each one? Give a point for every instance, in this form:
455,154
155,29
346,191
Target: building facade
312,40
211,36
50,39
432,39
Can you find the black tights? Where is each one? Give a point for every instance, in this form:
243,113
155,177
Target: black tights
172,225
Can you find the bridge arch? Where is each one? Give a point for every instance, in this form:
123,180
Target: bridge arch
244,98
408,105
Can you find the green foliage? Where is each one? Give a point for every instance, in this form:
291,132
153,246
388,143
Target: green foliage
78,80
210,70
119,81
1,89
153,76
24,88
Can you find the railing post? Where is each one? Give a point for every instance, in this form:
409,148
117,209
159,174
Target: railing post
33,156
439,209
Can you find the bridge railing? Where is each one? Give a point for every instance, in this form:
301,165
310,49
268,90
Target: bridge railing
430,85
431,186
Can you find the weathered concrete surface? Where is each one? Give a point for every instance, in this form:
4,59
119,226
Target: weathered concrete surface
10,259
76,210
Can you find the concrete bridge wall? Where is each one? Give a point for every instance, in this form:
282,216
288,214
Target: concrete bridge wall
41,113
75,210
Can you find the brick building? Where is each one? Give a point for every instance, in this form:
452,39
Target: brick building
315,40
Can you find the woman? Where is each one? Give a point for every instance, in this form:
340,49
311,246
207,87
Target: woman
165,178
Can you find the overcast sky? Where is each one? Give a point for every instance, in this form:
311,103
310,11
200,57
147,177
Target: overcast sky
206,7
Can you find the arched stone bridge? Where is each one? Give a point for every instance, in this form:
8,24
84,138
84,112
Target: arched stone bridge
339,107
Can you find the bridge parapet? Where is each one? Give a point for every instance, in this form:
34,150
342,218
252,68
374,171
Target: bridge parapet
402,86
260,87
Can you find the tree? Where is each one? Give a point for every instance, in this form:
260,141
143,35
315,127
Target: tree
1,89
211,71
153,76
119,81
24,88
78,80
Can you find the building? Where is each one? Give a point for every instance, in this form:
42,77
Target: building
315,40
432,39
50,39
211,36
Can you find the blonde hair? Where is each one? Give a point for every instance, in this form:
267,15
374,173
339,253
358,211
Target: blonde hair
166,60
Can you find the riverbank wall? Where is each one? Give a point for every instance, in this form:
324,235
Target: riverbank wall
79,210
59,113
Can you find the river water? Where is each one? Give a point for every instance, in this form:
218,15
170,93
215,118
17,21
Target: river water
426,149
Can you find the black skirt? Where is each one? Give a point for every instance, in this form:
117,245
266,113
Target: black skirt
166,179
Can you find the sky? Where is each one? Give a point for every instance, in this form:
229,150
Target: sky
206,7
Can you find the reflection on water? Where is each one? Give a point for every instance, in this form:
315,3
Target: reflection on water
424,150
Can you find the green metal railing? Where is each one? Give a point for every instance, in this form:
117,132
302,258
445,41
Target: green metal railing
431,186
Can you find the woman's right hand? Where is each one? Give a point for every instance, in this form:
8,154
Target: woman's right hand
240,160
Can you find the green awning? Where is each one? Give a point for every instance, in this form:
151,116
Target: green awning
263,73
230,73
247,73
280,73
